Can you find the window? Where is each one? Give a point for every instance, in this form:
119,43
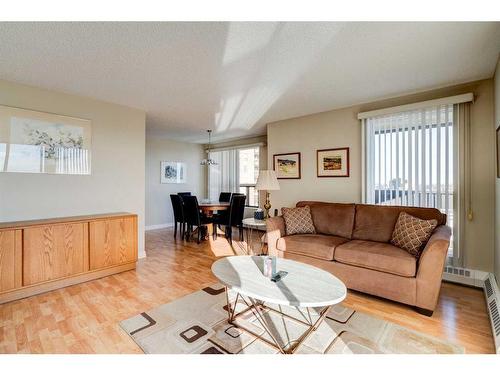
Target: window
236,171
249,171
410,161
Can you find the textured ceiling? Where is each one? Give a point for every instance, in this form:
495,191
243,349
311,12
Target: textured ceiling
236,77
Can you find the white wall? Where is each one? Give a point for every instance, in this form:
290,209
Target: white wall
341,128
158,205
117,179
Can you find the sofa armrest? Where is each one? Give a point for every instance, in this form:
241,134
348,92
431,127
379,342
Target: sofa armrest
430,268
275,228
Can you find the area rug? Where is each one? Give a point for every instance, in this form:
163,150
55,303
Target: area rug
197,324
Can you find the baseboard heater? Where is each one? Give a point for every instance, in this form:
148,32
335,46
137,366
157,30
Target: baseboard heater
485,281
492,295
465,276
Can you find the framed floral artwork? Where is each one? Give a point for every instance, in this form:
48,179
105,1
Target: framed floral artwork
287,166
333,162
39,142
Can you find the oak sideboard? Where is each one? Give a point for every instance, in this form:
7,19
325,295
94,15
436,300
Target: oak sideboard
41,255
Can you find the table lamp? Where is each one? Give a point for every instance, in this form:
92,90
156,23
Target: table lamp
267,181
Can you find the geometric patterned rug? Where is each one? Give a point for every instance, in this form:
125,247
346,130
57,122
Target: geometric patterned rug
197,324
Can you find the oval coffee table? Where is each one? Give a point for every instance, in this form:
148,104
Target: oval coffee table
305,286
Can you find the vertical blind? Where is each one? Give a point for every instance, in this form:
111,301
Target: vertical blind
409,159
224,176
236,171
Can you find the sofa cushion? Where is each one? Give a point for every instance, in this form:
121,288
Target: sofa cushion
332,218
412,233
318,246
376,223
377,256
298,220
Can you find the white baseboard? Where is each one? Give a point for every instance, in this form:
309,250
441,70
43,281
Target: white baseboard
159,226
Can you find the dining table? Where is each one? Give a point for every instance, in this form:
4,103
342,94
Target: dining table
209,207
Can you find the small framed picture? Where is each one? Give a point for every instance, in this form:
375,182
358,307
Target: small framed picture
498,152
333,162
173,172
287,166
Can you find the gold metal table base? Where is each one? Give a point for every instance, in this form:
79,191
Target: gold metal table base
255,307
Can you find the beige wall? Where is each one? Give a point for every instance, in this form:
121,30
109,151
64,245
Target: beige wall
333,129
496,124
158,205
340,128
117,179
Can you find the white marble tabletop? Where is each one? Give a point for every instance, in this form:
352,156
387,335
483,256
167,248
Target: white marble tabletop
304,286
250,222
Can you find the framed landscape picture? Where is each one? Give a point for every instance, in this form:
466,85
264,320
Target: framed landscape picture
333,162
287,166
173,172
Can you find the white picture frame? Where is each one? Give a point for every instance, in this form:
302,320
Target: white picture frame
40,142
173,172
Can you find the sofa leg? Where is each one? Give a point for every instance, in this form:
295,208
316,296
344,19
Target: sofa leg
425,312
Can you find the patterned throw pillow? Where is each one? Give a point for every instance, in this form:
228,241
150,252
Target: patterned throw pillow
298,220
411,233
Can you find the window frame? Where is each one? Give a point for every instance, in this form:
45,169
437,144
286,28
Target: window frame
450,126
248,186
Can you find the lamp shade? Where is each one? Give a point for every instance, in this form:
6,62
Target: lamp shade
267,181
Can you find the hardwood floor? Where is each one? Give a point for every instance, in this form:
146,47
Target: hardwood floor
84,318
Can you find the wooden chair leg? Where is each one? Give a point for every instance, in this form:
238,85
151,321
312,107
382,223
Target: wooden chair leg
175,229
241,233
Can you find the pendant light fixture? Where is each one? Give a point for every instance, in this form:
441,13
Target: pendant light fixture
208,161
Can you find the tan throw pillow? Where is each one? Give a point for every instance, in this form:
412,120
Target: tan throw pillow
298,220
412,233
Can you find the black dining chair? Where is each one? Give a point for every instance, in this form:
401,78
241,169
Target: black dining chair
193,217
177,205
184,194
242,195
225,197
234,216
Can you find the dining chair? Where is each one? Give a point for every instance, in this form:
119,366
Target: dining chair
184,194
178,208
225,197
193,217
243,195
234,217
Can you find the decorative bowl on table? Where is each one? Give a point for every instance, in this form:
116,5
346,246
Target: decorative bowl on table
258,215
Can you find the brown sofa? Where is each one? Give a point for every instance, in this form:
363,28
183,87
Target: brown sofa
352,241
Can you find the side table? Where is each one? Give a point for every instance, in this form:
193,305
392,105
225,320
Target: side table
250,224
